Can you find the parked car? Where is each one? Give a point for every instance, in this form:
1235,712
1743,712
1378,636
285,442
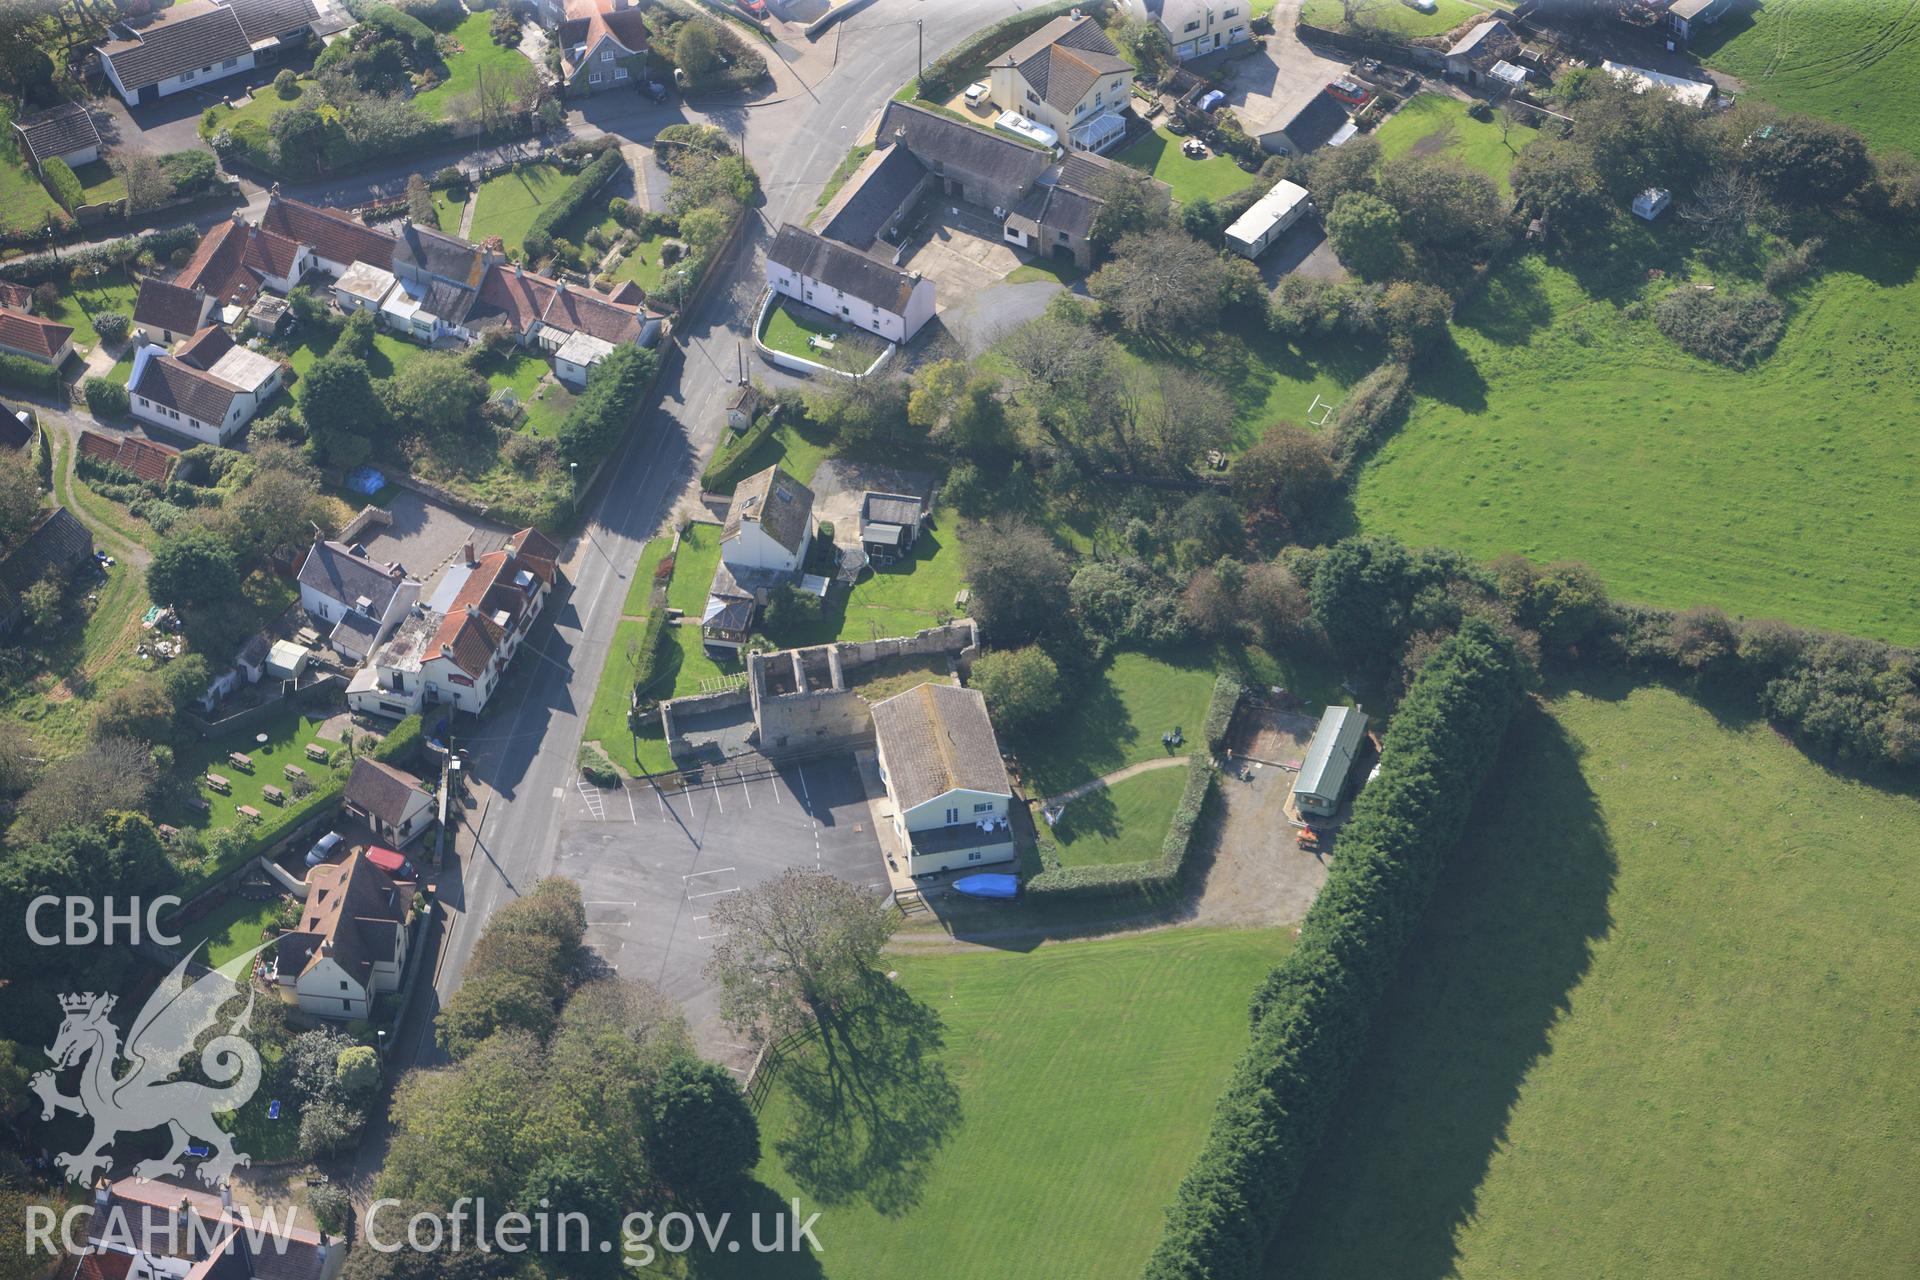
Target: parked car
1423,6
1351,92
977,92
392,862
323,848
758,8
654,89
1213,98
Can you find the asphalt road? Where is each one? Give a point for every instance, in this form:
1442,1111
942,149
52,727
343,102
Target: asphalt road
524,752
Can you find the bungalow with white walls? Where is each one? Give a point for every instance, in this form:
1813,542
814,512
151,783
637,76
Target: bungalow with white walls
184,47
207,391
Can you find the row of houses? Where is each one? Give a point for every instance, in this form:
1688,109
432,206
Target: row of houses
192,379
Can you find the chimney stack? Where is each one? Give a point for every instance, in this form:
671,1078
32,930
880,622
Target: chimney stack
320,1251
467,552
102,1192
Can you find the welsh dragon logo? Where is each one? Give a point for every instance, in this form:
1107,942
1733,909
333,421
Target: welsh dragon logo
146,1097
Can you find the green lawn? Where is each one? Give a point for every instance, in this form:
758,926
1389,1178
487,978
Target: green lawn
287,737
1658,1010
897,600
1562,428
233,928
24,202
1069,1088
1857,63
1158,153
1116,721
102,182
642,264
693,566
508,202
388,355
545,400
479,56
789,447
641,585
1126,822
110,291
607,718
1392,15
1040,269
255,116
791,326
448,209
1433,124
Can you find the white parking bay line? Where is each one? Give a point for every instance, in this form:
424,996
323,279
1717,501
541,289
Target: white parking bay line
632,815
716,871
713,893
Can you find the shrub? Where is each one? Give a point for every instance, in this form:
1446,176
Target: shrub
647,656
728,466
112,326
1784,270
606,408
402,742
63,184
287,84
453,178
1728,326
1368,413
576,193
1312,1016
596,768
106,399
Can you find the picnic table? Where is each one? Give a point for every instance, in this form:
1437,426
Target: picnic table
248,812
219,783
168,833
315,752
293,771
199,805
274,795
240,760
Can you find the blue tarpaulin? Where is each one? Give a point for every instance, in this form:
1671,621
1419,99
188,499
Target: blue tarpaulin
988,886
367,480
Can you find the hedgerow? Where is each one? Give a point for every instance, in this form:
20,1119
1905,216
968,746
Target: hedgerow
607,407
539,237
731,459
29,375
1313,1014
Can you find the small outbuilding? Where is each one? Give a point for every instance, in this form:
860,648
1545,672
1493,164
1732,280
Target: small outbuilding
1254,231
286,660
890,524
1652,202
1323,776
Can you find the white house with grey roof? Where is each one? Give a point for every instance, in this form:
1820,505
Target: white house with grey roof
842,282
763,545
65,132
1069,77
940,761
358,601
1196,27
183,48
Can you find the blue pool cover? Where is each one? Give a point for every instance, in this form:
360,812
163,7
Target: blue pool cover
988,886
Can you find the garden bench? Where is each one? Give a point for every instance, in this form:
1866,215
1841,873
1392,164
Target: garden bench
274,795
220,784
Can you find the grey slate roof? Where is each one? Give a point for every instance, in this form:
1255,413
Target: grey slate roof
433,253
167,381
1063,59
875,197
332,569
57,132
272,19
835,264
381,790
183,38
890,508
937,738
781,505
1319,120
945,145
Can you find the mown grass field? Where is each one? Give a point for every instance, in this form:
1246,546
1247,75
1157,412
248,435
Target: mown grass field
24,202
1393,15
1126,822
478,56
1857,61
1432,124
1085,1074
1656,1021
1564,428
1158,153
1117,720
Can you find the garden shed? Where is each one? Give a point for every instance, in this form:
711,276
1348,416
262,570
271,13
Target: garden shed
1323,775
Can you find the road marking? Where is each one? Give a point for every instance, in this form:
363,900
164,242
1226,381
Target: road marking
716,871
716,797
713,893
558,792
745,792
609,902
631,815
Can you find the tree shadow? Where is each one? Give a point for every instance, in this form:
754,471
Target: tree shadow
753,1208
1487,974
1091,816
1448,374
1510,308
872,1102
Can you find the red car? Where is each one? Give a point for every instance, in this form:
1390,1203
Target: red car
1351,92
758,8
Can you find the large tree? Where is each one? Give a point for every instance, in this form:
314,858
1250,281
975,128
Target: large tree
701,1135
1019,579
796,952
19,496
1287,472
1445,208
437,394
193,566
1160,283
1555,180
1021,686
341,409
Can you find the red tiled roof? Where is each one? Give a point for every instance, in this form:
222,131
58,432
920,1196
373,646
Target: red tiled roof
525,298
17,296
143,458
486,572
577,311
109,1264
335,236
519,294
32,335
468,638
231,254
